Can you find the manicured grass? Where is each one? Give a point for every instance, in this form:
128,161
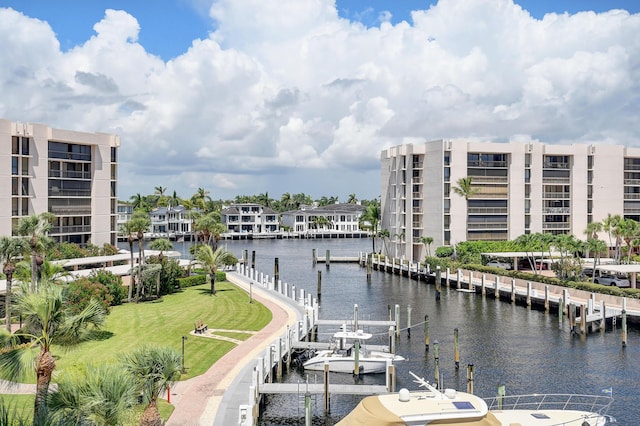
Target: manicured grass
164,322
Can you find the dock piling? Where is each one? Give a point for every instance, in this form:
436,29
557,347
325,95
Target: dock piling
356,358
327,259
456,349
409,321
436,370
438,282
314,257
276,270
327,397
319,291
470,378
253,259
397,320
426,332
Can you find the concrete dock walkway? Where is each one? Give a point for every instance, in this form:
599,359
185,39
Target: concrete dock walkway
213,398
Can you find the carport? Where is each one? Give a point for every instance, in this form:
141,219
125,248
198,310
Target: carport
632,270
515,256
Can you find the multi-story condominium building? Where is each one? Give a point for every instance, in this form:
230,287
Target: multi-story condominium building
70,174
250,218
517,188
125,211
333,217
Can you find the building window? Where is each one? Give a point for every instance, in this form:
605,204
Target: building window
527,160
447,158
527,175
447,174
114,155
590,162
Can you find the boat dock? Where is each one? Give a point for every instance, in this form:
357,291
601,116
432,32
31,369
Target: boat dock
279,355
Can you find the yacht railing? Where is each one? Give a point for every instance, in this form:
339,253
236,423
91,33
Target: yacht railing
591,403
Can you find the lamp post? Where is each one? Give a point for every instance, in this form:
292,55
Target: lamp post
251,292
184,338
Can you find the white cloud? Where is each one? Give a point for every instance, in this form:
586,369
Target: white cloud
284,91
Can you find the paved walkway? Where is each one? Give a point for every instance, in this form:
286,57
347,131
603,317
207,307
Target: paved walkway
198,400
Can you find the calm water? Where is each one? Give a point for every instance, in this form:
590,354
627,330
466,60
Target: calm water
521,348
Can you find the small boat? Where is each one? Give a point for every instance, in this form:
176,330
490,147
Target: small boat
342,357
450,407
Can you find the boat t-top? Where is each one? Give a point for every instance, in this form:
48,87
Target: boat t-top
450,407
349,354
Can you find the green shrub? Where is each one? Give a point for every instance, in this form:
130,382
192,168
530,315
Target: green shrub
82,290
113,283
444,251
192,281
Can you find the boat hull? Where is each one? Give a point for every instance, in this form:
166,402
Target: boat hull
368,364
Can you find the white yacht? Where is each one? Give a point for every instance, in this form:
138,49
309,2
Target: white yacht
450,407
342,358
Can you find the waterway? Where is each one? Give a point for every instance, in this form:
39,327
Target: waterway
523,349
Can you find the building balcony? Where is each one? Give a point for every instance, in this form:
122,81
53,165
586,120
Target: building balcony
489,179
488,225
556,210
556,225
417,195
69,174
488,210
417,225
416,179
631,196
488,164
416,210
632,182
418,164
557,195
70,210
75,229
550,165
555,180
481,195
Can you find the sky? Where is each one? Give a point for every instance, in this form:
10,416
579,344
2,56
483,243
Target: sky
246,97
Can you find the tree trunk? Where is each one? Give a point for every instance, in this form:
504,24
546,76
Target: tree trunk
213,282
151,415
7,301
131,278
45,364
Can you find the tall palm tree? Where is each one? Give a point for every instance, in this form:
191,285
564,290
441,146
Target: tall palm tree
11,250
161,244
610,225
127,229
530,242
370,220
352,199
139,224
47,321
596,247
160,190
212,260
36,227
285,201
103,395
154,370
211,228
628,230
384,234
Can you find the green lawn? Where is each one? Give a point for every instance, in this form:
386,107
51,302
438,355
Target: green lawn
164,322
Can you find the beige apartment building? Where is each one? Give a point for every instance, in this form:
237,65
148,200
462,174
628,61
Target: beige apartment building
70,174
519,188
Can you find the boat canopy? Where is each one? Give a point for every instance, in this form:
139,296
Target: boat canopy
355,335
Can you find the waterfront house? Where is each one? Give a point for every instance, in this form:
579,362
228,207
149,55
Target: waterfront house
339,217
250,218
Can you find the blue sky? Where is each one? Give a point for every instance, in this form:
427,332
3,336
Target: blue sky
243,97
169,26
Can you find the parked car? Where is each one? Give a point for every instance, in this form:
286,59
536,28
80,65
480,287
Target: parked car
498,264
612,280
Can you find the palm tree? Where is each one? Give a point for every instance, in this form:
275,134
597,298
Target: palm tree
370,220
154,371
427,241
595,246
285,201
530,242
610,225
628,229
212,260
36,227
139,224
161,244
352,199
211,228
384,234
11,249
591,231
103,395
399,236
46,321
160,190
464,188
139,202
127,229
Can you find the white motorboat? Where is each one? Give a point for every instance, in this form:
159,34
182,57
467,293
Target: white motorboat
341,356
450,407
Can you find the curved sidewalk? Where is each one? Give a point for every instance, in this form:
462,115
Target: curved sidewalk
213,397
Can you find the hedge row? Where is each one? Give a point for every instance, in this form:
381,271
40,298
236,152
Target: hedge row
200,279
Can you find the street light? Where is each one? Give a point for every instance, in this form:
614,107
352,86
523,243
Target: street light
183,340
251,292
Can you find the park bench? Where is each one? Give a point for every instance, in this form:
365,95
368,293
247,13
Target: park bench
200,326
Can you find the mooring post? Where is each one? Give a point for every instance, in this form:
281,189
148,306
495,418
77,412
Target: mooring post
314,257
560,312
624,322
369,266
245,257
426,332
326,388
392,341
409,321
470,378
583,319
603,318
397,320
279,355
496,288
501,394
307,408
391,376
546,298
572,318
436,358
355,317
484,285
447,277
327,258
529,288
389,309
276,270
513,290
289,331
459,279
438,282
253,259
456,349
356,357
